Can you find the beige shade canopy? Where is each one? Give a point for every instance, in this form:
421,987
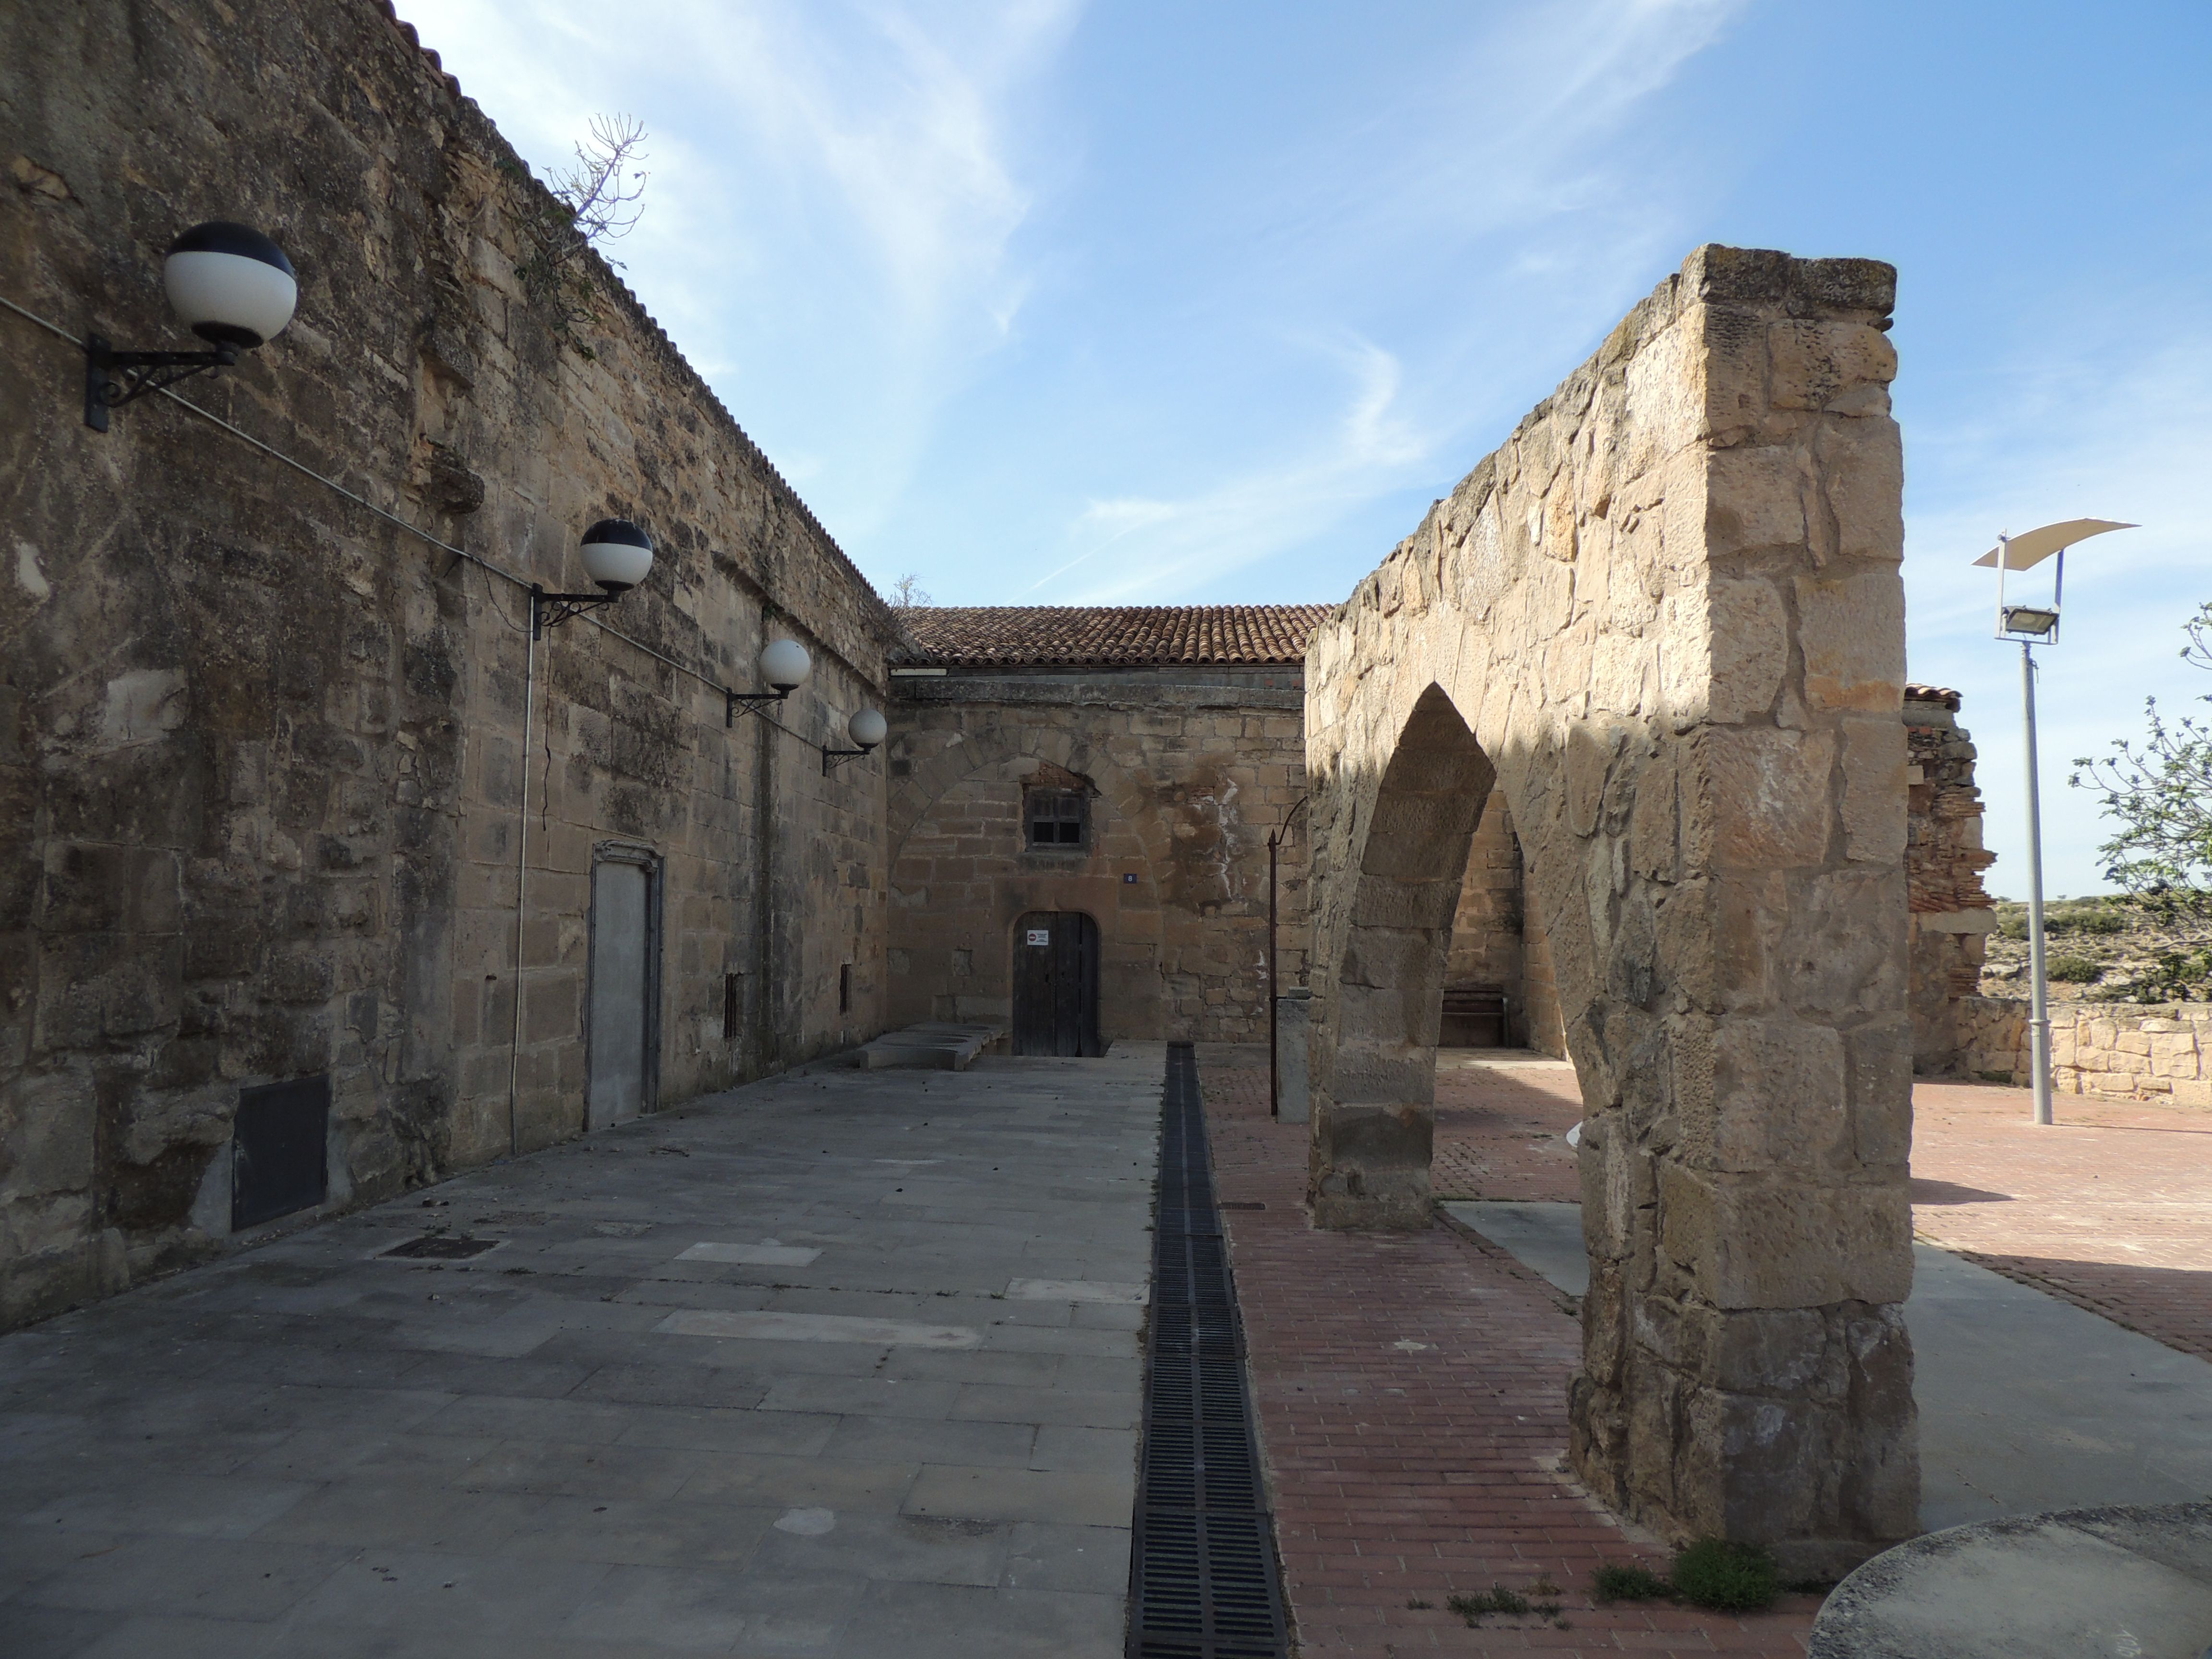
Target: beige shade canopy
2036,545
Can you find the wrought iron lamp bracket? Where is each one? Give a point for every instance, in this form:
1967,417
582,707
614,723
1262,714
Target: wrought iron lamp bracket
751,702
833,758
113,378
552,610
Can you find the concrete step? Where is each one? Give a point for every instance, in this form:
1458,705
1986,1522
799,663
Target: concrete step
933,1045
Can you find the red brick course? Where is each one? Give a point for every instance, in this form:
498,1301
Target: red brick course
2110,1208
1412,1395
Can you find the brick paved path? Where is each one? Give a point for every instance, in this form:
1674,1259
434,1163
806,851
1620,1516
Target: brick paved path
1411,1391
2109,1208
1498,1128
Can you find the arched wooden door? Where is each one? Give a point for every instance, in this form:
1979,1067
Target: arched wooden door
1056,984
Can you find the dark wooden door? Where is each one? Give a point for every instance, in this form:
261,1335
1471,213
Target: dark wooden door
1056,984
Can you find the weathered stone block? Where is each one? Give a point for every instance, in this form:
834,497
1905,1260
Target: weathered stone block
1852,630
1758,799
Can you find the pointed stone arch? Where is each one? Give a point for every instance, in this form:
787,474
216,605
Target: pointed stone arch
1371,1149
1668,612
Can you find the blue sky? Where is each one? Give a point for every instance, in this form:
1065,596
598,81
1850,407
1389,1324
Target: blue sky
1055,303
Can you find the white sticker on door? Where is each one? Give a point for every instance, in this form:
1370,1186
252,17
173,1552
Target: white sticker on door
1040,935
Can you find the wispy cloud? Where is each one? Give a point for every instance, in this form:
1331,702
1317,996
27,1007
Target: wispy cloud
1163,549
834,190
1494,174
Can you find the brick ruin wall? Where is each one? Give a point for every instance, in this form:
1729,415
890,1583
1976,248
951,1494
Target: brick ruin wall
1187,773
260,754
1950,915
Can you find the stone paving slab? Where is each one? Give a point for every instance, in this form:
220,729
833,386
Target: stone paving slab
842,1364
2027,1402
2109,1208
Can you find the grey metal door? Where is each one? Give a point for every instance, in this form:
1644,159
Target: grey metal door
619,1040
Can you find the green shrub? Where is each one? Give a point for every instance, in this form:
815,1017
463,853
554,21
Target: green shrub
1630,1583
2075,970
1726,1577
2101,919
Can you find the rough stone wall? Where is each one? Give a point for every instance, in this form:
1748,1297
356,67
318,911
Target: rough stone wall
1486,947
1666,616
260,751
1950,915
1188,773
2157,1053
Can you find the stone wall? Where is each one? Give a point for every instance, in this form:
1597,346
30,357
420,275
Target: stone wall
1665,618
1187,773
1496,940
2156,1053
261,756
1950,917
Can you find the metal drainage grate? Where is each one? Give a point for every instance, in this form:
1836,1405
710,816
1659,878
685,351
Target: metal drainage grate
443,1247
1203,1582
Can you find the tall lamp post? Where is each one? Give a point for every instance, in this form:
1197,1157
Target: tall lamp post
1276,837
2033,625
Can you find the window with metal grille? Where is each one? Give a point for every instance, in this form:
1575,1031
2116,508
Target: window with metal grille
1057,817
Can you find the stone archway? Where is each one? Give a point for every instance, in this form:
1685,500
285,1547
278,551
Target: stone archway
1370,1149
1667,610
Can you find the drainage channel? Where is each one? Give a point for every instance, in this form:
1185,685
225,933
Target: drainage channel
1203,1581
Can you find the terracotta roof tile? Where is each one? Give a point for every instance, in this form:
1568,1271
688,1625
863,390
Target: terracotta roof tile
1109,636
1915,692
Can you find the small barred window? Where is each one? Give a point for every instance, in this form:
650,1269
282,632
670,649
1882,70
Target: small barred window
1056,818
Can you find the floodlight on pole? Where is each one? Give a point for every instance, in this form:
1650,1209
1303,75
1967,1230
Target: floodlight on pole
2033,625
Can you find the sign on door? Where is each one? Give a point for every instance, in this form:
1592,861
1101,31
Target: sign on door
1040,935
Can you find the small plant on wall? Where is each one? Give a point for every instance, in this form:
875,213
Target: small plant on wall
593,203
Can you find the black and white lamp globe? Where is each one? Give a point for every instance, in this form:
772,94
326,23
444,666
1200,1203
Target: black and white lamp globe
617,555
785,664
866,729
230,284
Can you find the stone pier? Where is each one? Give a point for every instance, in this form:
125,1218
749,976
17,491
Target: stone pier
1665,619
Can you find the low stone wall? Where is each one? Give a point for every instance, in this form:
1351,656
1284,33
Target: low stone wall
2150,1053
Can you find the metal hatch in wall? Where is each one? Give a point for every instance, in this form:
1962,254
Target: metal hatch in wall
1056,984
622,1034
278,1162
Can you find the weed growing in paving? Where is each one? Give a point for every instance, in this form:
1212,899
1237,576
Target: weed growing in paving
1496,1599
1711,1573
1727,1577
1418,1604
1630,1584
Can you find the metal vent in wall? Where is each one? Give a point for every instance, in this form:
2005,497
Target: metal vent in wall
277,1162
1204,1583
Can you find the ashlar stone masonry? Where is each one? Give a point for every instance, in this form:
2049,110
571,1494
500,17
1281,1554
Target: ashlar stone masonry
1179,733
262,757
1665,621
